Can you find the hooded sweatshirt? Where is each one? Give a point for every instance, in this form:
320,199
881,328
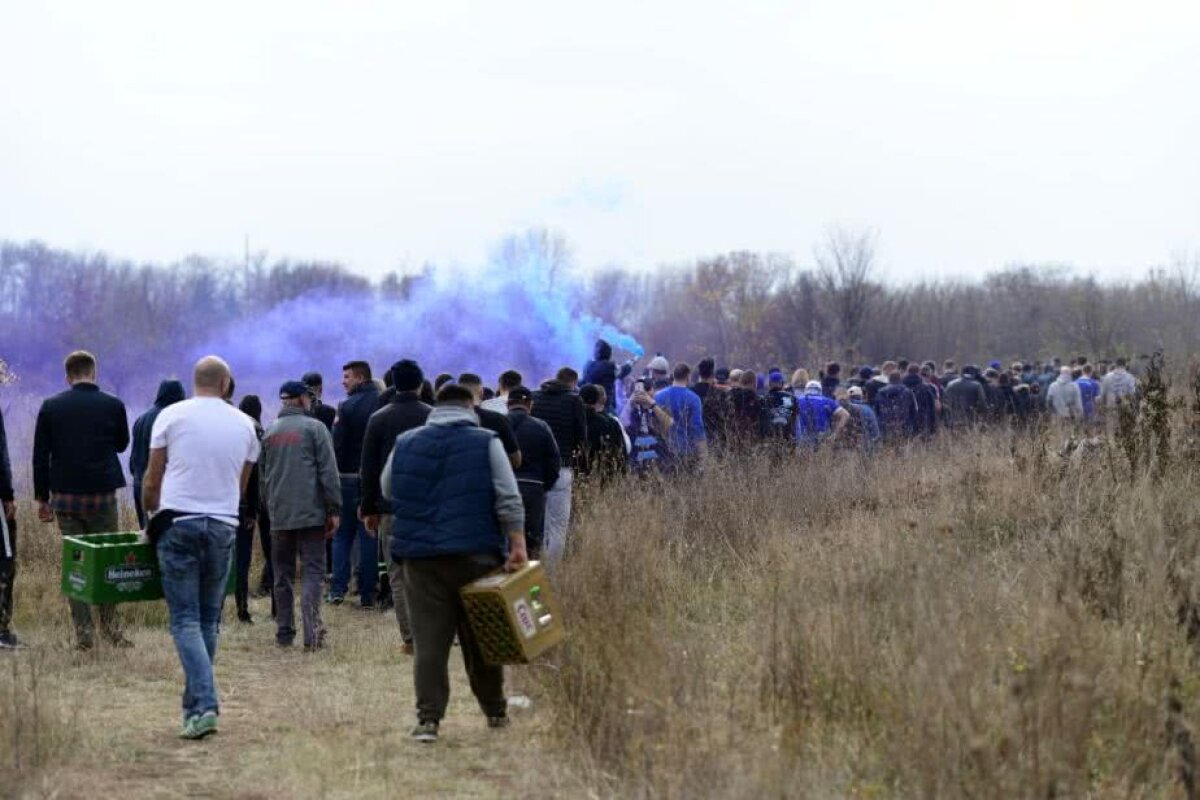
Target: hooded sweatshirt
602,372
1064,399
169,393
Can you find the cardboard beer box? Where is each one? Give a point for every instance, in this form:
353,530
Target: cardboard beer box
101,568
513,614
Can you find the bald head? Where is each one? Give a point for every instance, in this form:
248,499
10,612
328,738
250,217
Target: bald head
211,377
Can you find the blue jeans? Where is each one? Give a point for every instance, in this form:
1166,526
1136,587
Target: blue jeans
368,555
194,557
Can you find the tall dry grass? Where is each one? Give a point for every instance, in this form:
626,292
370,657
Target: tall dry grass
980,616
977,617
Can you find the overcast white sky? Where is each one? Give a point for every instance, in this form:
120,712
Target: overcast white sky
970,133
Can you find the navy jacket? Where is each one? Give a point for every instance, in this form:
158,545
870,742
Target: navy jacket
601,371
351,426
76,441
540,460
442,496
897,409
169,393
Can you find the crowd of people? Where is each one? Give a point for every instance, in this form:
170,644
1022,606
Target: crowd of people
413,488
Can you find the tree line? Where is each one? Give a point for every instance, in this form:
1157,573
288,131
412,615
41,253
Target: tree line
744,308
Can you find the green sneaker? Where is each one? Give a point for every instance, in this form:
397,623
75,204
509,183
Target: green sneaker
426,732
199,726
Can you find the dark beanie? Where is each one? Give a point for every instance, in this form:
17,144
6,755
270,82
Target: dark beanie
407,376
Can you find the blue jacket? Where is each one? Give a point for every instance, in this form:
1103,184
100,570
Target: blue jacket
442,496
351,426
169,393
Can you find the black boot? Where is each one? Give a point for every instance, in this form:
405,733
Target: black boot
243,608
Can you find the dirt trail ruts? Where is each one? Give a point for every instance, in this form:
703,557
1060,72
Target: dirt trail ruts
332,724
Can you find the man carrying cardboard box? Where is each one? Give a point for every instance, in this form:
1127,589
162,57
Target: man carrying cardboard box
456,511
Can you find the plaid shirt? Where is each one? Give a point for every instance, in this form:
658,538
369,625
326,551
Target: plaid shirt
83,505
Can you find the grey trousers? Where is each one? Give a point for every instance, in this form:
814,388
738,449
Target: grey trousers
437,614
396,578
309,545
81,613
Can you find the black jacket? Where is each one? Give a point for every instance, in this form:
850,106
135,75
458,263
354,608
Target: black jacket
6,483
169,393
404,413
897,409
500,425
606,446
351,426
926,396
540,459
562,410
326,414
76,441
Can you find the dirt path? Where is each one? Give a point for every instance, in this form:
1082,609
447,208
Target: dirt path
334,724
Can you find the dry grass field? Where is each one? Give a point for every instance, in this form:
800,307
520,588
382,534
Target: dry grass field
977,617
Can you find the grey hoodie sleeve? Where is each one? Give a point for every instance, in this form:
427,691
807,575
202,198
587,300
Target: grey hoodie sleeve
327,471
509,508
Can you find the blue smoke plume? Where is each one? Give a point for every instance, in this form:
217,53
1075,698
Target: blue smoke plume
521,312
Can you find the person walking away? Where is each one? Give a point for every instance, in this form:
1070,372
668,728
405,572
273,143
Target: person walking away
718,409
647,424
316,389
169,392
818,417
601,371
76,474
705,378
897,409
302,490
779,410
746,407
557,404
540,464
688,440
1089,393
1064,399
249,515
966,400
202,452
862,426
362,400
252,503
608,445
458,516
496,422
831,379
8,545
926,399
509,380
406,412
1117,387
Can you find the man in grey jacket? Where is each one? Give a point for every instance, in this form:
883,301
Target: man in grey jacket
300,484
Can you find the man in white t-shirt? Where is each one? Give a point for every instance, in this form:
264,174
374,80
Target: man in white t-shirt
509,380
201,454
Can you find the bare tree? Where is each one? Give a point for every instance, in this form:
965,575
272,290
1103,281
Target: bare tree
845,265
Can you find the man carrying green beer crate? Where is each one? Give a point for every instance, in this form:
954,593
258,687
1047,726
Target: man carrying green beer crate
76,473
201,453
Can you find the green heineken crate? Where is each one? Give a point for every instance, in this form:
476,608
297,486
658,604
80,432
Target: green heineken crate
101,568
